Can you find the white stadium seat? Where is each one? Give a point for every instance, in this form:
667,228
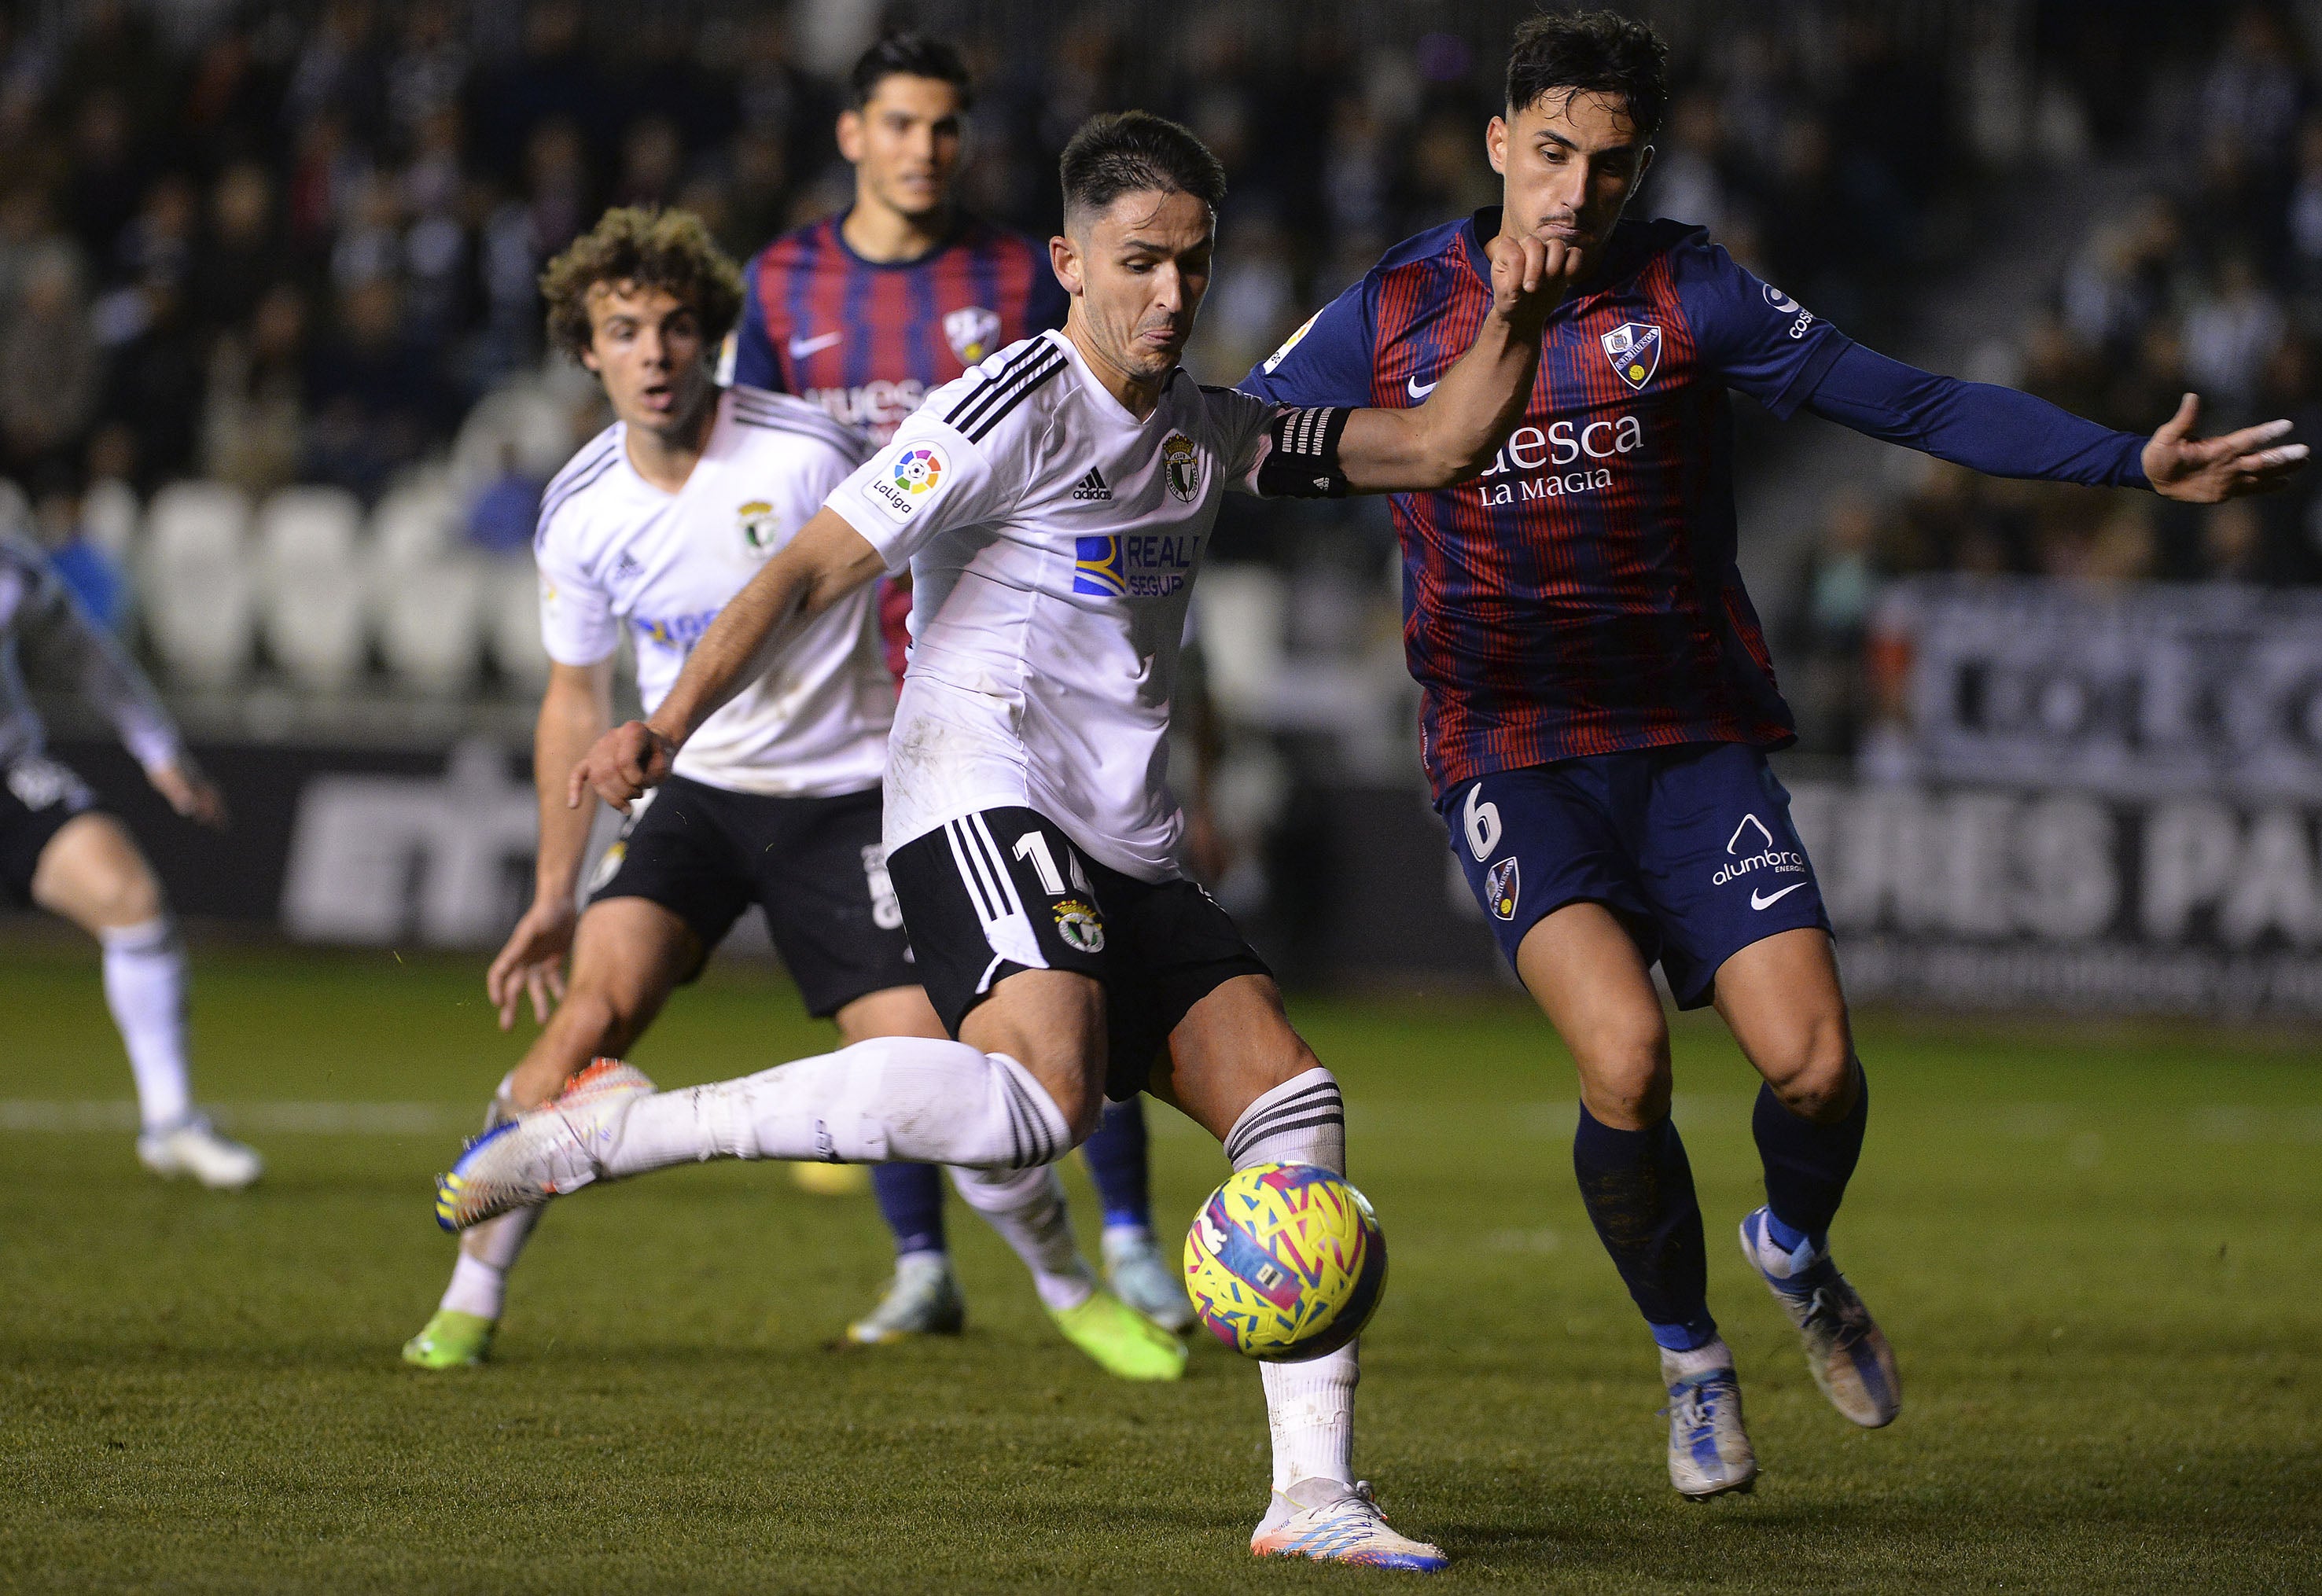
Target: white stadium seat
522,425
1240,617
415,525
197,584
111,517
512,621
311,586
429,618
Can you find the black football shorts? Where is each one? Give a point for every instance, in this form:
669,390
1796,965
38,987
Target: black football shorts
814,866
38,798
1004,890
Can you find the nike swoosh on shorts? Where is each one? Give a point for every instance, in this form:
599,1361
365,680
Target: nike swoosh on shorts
1769,900
1418,389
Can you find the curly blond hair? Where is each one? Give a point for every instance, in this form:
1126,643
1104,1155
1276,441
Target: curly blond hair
633,248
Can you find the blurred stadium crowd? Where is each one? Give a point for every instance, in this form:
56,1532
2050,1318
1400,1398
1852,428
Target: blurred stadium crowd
271,375
2198,267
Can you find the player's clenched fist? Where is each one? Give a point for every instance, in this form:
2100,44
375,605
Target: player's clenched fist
625,762
1530,276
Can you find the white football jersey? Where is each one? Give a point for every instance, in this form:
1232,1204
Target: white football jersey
615,549
1053,540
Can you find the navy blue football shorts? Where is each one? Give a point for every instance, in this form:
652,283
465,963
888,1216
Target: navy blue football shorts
1691,847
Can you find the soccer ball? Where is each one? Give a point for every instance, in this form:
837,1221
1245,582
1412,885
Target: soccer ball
1284,1262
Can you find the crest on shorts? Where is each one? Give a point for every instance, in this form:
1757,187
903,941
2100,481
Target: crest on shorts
972,333
1634,349
760,526
1078,924
1183,466
1502,885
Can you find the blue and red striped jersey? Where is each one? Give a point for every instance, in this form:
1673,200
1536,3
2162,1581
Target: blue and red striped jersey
1581,595
869,340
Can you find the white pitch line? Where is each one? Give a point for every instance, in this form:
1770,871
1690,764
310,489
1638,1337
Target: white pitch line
273,1119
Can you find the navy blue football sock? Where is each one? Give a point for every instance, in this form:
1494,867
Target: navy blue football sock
1639,1192
1118,1163
911,1201
1807,1165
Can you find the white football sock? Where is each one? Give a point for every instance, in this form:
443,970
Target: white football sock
475,1286
489,1249
1026,1207
1708,1358
1310,1406
1127,1238
910,1099
145,988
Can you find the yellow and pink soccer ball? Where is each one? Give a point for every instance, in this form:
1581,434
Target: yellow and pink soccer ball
1284,1262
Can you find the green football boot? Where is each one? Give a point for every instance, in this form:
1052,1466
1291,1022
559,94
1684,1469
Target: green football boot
1124,1343
451,1340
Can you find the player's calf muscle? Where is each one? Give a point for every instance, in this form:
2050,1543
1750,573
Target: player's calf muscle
1233,1047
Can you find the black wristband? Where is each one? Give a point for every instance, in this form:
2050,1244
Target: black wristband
1303,462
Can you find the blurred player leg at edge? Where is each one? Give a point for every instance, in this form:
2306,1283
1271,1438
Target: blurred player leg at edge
641,300
60,853
920,290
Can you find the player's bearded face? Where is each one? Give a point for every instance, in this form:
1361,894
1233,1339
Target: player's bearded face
646,346
1143,266
1570,164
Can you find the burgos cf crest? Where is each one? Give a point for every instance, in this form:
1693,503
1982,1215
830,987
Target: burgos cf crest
1182,467
973,333
1635,348
760,526
1503,885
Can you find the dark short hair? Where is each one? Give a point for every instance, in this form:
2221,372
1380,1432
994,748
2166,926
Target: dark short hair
632,247
1590,52
1137,152
908,55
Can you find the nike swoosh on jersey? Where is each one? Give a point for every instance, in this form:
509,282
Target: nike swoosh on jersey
1418,389
803,347
1767,900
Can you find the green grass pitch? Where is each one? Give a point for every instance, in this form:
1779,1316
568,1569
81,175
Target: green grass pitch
2098,1250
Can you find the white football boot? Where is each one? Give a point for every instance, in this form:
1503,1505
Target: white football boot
1846,1352
1709,1452
922,1300
193,1148
1329,1522
547,1152
1143,1279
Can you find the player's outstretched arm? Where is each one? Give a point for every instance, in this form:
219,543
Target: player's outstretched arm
826,561
1479,399
2003,433
574,712
2205,470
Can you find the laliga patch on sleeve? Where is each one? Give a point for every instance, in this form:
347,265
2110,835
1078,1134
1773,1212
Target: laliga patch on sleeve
1291,342
903,484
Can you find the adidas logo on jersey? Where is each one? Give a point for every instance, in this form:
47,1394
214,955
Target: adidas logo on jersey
1092,487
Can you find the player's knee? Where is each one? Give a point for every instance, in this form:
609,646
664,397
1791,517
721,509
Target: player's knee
128,894
1814,1077
1624,1075
1080,1104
